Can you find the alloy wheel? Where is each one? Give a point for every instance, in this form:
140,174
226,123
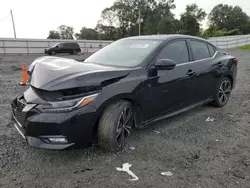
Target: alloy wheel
224,91
124,126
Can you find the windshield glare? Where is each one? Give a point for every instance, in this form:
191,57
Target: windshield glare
55,45
125,53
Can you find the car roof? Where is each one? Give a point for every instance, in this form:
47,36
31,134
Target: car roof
67,43
161,37
166,37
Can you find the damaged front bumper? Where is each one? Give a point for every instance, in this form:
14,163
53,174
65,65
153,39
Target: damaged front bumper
52,130
38,142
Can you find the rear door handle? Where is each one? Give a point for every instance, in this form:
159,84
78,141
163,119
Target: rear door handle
190,72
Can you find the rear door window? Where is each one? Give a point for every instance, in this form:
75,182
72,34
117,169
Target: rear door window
73,45
200,50
176,51
68,45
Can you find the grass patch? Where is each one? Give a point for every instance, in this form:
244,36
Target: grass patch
246,47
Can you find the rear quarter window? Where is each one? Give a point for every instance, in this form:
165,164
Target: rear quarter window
65,45
212,50
77,45
74,45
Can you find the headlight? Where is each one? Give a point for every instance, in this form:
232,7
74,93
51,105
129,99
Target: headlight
65,106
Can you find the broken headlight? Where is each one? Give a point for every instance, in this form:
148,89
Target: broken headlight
67,105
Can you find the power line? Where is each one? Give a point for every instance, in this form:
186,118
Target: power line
13,23
3,18
12,19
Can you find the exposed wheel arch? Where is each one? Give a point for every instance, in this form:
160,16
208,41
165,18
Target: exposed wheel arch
137,107
231,79
115,125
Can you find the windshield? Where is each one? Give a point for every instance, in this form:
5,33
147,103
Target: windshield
55,45
125,53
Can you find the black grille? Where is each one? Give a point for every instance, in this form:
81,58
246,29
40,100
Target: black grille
18,106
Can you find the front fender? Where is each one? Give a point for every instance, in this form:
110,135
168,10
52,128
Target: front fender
135,91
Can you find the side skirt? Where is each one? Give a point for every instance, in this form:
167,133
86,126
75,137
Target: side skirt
149,122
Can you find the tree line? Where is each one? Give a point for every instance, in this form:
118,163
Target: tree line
156,17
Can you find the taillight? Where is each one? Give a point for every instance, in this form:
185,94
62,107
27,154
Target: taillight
235,60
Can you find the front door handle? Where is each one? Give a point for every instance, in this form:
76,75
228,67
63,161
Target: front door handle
190,72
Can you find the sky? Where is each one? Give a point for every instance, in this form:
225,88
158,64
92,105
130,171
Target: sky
35,18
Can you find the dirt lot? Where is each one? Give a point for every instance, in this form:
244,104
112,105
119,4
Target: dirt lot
198,153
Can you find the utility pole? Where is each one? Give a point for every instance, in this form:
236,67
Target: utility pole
13,23
139,21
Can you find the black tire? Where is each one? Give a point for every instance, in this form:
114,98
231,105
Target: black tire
112,131
53,52
223,92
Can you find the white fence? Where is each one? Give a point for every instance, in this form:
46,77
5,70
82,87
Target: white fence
230,41
37,46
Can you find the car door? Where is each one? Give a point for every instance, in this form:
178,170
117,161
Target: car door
70,47
61,48
203,67
65,48
169,89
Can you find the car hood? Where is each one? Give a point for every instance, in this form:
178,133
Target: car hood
53,73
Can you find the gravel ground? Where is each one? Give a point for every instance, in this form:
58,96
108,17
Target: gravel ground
198,153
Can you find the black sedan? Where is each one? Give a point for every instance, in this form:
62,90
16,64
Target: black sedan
128,84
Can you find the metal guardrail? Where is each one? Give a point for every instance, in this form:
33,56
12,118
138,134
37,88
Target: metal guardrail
230,41
37,46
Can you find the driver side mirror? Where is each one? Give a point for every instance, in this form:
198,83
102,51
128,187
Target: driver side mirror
165,64
57,46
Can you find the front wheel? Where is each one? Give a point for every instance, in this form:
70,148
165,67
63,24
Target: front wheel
223,92
115,126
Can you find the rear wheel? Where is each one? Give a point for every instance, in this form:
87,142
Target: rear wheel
223,92
74,52
115,126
